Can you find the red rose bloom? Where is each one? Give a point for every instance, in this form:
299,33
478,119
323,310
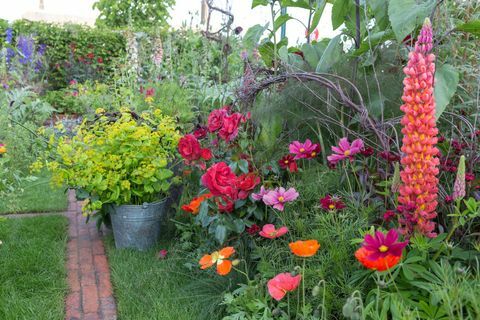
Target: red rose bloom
229,130
90,55
469,177
189,147
100,60
226,204
246,183
288,162
206,154
215,119
220,180
200,132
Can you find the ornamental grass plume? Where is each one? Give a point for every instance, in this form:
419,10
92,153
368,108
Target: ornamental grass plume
459,186
419,175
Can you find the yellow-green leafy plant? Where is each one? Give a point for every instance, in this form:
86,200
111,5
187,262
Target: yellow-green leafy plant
116,158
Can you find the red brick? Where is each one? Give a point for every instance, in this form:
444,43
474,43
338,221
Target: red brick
97,247
108,308
73,280
72,306
104,286
72,245
88,278
92,316
86,268
90,303
101,263
85,255
72,262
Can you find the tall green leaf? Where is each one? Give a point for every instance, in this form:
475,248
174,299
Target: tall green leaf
253,35
280,21
256,3
317,15
339,10
472,27
446,82
406,15
295,3
331,55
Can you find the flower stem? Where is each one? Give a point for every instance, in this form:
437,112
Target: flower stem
303,284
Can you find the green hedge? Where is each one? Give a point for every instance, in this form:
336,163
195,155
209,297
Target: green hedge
73,51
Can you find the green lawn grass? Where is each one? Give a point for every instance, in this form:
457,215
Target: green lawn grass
32,267
147,288
39,196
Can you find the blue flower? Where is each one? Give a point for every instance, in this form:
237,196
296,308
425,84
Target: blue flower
25,47
9,35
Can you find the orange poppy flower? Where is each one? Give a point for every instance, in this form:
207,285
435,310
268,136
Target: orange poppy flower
379,264
220,259
305,248
194,205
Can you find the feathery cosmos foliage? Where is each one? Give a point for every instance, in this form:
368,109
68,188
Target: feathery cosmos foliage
418,193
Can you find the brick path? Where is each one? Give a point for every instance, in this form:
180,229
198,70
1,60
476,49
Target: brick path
90,290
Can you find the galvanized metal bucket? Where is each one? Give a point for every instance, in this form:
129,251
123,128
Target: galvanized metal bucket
138,226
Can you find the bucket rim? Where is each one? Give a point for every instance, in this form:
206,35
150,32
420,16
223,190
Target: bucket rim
140,205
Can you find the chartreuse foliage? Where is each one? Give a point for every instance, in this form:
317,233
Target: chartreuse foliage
120,158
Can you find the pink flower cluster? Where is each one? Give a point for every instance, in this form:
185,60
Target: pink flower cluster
299,150
345,150
419,174
276,198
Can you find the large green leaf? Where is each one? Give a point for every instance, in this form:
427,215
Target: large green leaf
253,35
317,15
446,82
339,11
331,55
372,40
256,3
221,233
380,11
280,21
471,27
313,52
295,3
406,15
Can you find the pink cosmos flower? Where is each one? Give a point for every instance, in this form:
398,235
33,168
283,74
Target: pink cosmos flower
281,284
278,197
259,196
382,245
345,150
304,150
269,231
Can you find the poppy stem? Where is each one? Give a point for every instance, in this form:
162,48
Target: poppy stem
303,284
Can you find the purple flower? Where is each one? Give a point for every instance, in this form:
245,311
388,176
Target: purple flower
345,150
25,47
9,35
259,196
382,245
278,197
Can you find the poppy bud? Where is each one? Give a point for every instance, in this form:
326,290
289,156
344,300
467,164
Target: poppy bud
235,262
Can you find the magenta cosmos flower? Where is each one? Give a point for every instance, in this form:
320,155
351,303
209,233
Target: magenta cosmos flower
259,196
306,150
281,284
278,197
381,245
345,150
269,231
